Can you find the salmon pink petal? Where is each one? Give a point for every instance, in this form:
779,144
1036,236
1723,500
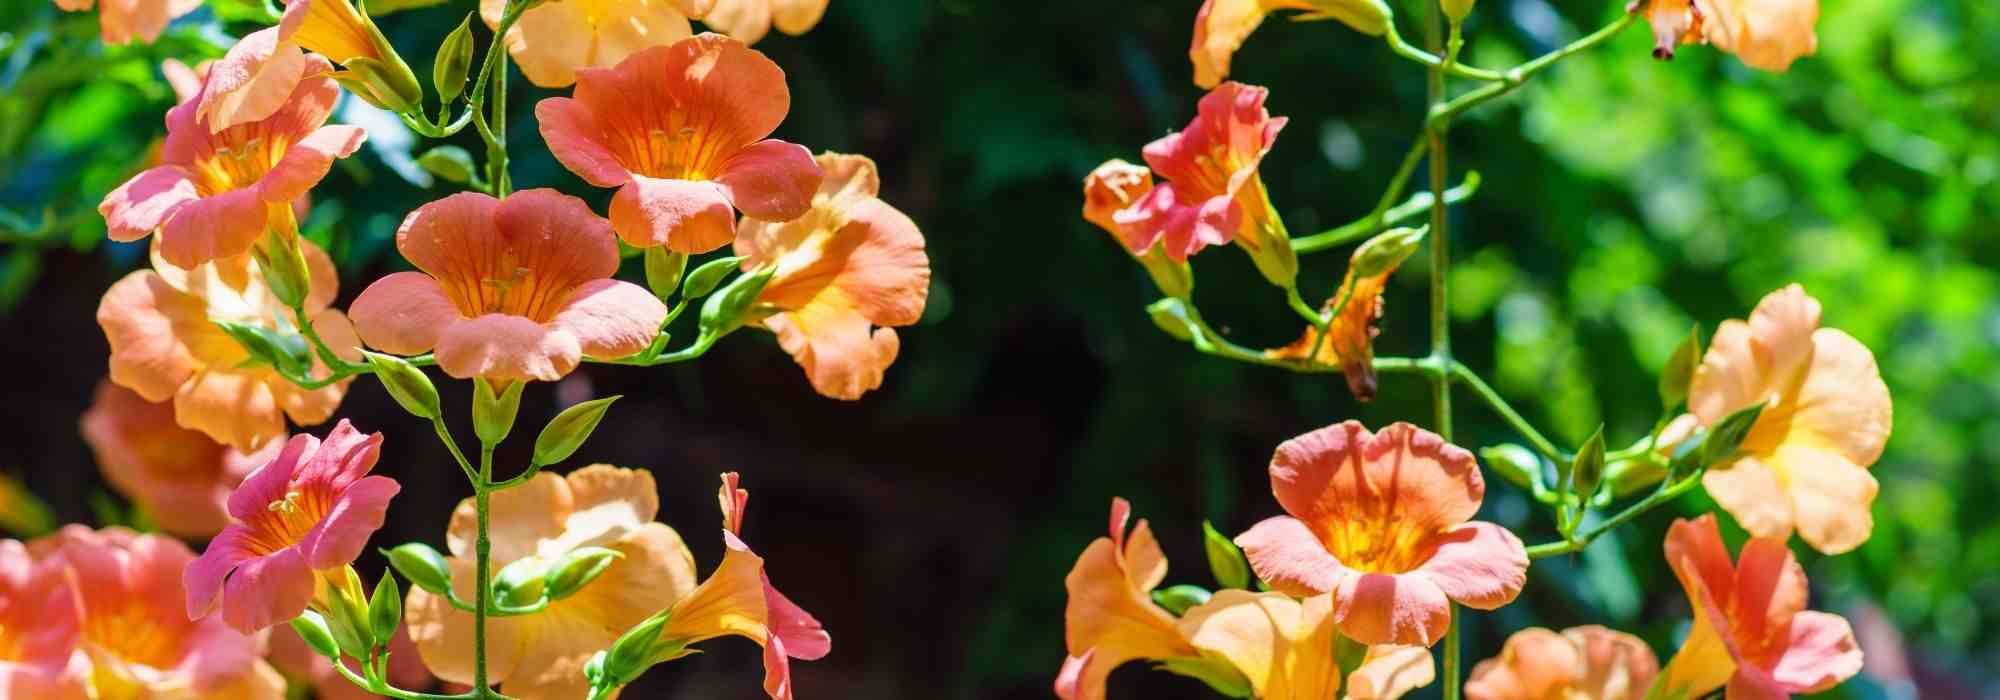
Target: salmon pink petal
1186,226
803,636
343,458
1286,554
267,591
686,216
219,656
402,313
234,408
572,135
1408,477
1479,565
339,538
446,236
564,238
500,346
611,319
205,575
138,315
305,163
138,207
771,180
741,90
219,226
777,670
255,77
1391,609
842,357
1768,591
270,481
1820,654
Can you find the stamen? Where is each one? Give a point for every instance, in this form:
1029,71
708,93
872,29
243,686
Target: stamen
290,503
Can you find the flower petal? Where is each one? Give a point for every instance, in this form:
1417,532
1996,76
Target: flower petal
1820,654
219,226
1750,491
305,163
267,591
1830,497
607,504
1391,609
1389,672
204,577
138,207
444,634
141,315
1287,555
1478,565
1405,481
686,216
498,346
254,78
402,313
520,517
1220,28
771,180
573,138
1843,402
235,408
447,235
611,319
835,346
339,538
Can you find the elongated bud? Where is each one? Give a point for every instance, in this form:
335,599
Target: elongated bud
520,583
707,276
1225,560
493,412
349,620
1386,250
1270,248
664,269
423,566
454,62
1456,10
578,568
281,260
567,431
450,163
385,608
1171,316
633,653
406,384
1177,599
312,628
266,346
1516,464
1588,469
730,308
1679,372
388,84
1728,434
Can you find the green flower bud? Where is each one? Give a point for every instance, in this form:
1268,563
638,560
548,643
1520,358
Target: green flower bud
422,565
1587,471
389,84
450,163
1516,464
521,583
1171,315
578,568
385,608
1175,279
1679,372
664,269
1728,434
349,622
312,628
708,276
493,413
1225,560
730,308
454,62
267,347
406,384
283,263
1386,251
1177,599
1457,10
567,431
633,653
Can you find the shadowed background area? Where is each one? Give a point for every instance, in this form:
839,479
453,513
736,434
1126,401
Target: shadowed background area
929,525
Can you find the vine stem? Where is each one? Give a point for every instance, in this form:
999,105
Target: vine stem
1436,130
482,494
1666,493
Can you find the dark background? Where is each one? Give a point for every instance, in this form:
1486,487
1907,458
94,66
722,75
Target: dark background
930,524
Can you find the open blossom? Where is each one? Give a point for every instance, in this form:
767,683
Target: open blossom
1767,34
1379,520
1804,465
750,20
39,629
680,131
121,21
251,80
165,345
181,478
1581,663
1752,632
514,289
1111,618
1221,26
552,40
844,272
309,511
1282,646
211,193
1350,335
1213,194
1111,188
135,632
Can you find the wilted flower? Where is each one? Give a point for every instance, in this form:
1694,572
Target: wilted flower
39,629
1581,663
1213,194
121,21
552,40
1221,26
180,478
250,81
1767,34
1350,335
1111,618
1379,520
843,273
1283,647
750,20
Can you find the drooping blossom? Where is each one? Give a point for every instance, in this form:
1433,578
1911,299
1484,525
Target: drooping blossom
1221,26
305,514
1766,34
1350,335
553,40
250,82
749,20
217,190
844,272
39,629
135,631
1283,647
514,289
1752,632
1804,465
121,21
1580,663
1380,520
165,345
680,131
181,478
1213,194
540,656
301,665
1111,618
1114,186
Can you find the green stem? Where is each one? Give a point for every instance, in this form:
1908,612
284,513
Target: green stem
1431,61
1519,75
483,553
1419,203
392,691
444,435
1541,443
1440,318
1666,492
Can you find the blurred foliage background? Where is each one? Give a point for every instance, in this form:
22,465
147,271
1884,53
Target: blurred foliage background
930,525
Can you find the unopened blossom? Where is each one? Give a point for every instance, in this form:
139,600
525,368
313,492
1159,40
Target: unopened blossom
1350,334
1283,647
1111,618
1380,521
1212,192
165,345
1766,34
216,191
749,20
681,131
1221,26
305,514
39,629
1753,636
552,40
540,655
1580,663
843,274
135,631
1114,186
181,478
121,21
514,289
1804,464
302,665
251,80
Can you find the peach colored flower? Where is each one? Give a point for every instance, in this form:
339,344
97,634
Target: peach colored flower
1212,194
1766,34
1350,336
1111,188
1752,631
750,20
852,263
1221,26
540,656
181,478
738,599
1283,646
211,193
307,512
551,41
186,81
39,629
1581,663
680,131
121,21
251,80
165,344
1826,417
1111,618
137,635
300,664
509,289
1380,521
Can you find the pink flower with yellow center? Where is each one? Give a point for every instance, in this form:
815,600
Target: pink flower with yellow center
1379,520
680,131
139,640
1114,186
1221,26
843,273
749,20
553,40
121,21
514,289
1283,647
1111,618
1213,194
181,478
1804,464
39,629
250,82
308,511
211,193
1580,663
1752,632
165,345
1766,34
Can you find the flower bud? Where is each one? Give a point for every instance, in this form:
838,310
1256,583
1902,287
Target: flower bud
423,566
387,83
578,568
730,308
520,583
313,630
1177,599
1516,464
567,431
1456,10
266,346
1171,316
664,270
493,412
406,384
1225,560
450,163
1679,372
1587,471
385,608
454,62
349,621
1174,278
1386,251
633,653
705,278
283,262
1728,434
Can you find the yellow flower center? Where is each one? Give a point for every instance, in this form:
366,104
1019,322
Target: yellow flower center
286,521
10,646
510,283
1376,543
135,635
239,157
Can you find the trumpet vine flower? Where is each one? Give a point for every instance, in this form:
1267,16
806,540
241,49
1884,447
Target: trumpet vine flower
1283,645
1580,663
181,478
39,629
1114,187
1111,618
121,21
1221,26
749,20
1213,194
1765,34
251,80
552,40
1350,334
